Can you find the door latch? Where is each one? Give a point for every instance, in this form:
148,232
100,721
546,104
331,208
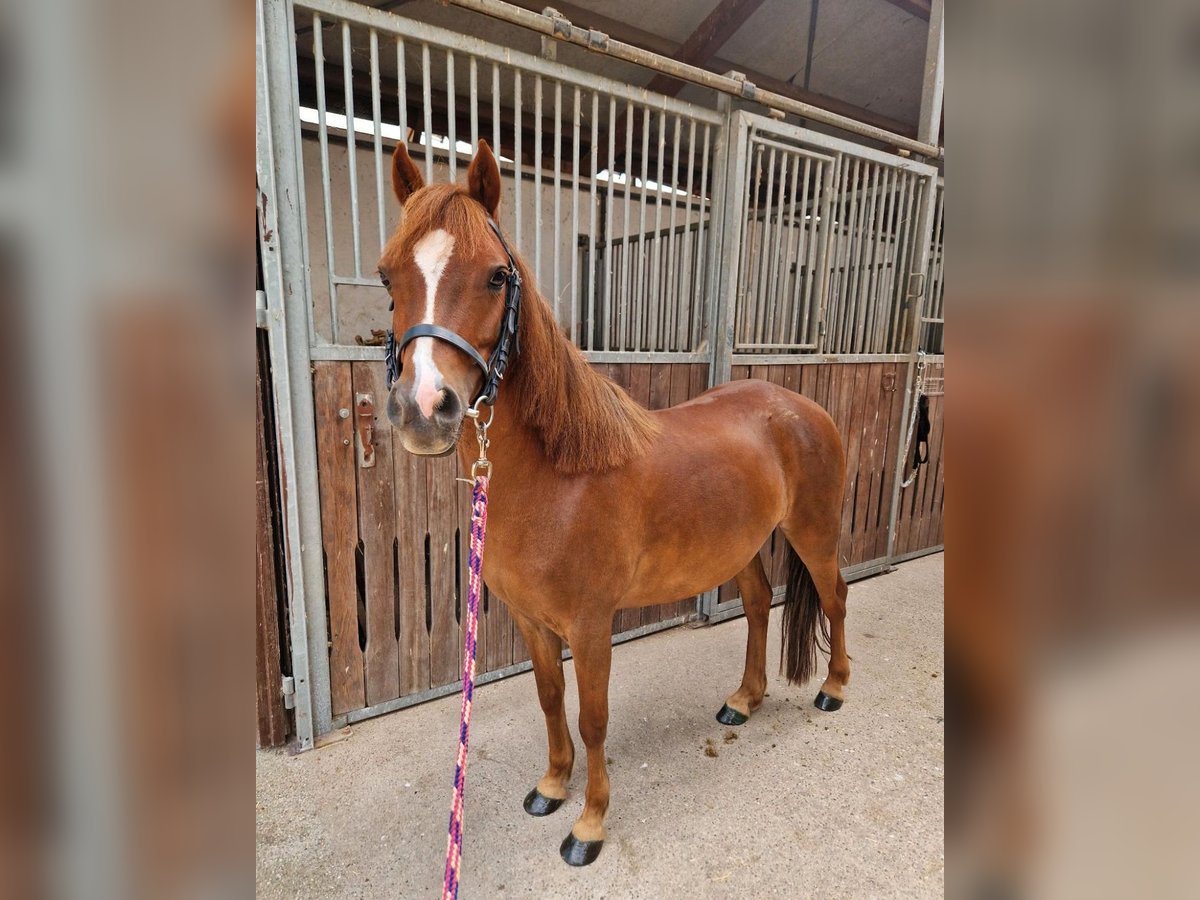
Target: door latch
364,419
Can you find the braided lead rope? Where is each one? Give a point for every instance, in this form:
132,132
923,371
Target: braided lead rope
918,389
474,567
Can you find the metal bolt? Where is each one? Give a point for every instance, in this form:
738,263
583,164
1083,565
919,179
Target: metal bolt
346,442
343,413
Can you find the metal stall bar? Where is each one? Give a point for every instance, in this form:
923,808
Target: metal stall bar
377,123
670,301
283,241
557,198
623,338
576,295
323,141
589,341
351,155
687,287
537,179
427,136
451,119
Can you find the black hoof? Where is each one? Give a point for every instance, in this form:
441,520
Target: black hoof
730,716
538,804
825,703
579,853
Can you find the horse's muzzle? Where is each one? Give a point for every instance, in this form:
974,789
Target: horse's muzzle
432,435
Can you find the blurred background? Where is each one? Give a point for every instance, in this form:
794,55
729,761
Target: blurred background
125,533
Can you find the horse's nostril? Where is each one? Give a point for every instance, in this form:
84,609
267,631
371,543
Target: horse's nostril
443,402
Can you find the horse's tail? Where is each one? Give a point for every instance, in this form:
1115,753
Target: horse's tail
805,627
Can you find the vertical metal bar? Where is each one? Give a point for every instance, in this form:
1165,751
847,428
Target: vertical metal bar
798,236
378,123
830,297
747,283
708,197
557,197
887,273
764,260
285,274
576,294
351,153
592,238
323,140
670,341
848,281
496,110
451,123
814,225
427,137
402,89
645,292
688,291
867,228
903,251
733,210
517,153
537,178
608,254
934,79
884,238
626,246
775,326
473,88
657,320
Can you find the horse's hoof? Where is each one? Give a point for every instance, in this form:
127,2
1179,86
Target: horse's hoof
579,853
825,703
538,804
730,716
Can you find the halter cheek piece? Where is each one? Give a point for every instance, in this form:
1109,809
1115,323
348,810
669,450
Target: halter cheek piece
506,342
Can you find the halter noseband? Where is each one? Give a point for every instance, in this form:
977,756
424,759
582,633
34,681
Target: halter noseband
507,341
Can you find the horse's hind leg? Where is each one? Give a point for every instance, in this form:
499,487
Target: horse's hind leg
821,559
832,588
756,600
545,649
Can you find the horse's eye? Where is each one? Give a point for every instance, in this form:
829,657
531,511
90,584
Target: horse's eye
498,279
383,279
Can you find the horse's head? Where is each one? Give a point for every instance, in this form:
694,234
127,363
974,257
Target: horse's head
444,267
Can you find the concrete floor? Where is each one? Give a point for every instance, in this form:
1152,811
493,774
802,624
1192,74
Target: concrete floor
801,804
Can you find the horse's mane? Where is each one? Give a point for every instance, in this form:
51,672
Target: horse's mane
584,421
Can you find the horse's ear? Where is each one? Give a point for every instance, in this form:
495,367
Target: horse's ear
483,178
406,177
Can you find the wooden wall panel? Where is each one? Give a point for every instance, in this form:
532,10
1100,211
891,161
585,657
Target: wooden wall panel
332,392
377,536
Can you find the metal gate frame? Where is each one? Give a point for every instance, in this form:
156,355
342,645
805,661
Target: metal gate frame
288,310
743,127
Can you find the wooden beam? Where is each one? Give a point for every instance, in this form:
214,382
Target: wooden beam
918,8
630,34
710,36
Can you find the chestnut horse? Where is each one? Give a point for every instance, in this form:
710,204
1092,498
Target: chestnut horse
597,504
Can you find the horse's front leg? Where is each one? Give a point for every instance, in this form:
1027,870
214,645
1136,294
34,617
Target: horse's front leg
545,649
591,645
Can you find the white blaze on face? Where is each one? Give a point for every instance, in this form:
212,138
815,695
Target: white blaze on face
432,253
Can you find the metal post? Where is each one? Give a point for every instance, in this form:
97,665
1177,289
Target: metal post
285,264
724,288
916,293
935,76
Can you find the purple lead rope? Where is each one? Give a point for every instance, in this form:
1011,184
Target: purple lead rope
474,576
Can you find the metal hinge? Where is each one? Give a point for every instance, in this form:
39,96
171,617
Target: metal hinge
289,692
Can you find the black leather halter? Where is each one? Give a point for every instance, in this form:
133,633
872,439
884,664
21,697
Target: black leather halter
507,342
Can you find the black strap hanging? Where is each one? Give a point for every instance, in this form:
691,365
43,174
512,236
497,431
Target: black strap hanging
921,440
